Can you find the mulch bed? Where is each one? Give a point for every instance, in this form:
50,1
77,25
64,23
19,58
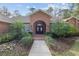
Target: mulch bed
13,48
63,44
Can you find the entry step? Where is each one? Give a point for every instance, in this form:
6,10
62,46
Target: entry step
38,37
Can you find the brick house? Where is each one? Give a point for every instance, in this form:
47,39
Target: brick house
37,22
4,24
73,21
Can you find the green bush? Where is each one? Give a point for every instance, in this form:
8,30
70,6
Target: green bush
61,29
47,33
26,40
17,31
49,40
17,28
6,37
30,33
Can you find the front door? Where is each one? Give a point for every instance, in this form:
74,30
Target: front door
39,29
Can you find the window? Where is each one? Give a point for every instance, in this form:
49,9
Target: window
27,28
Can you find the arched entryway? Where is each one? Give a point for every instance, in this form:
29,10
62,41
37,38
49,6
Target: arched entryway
39,27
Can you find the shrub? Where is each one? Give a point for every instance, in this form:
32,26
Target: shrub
26,40
6,37
61,29
17,31
30,33
48,33
17,28
49,40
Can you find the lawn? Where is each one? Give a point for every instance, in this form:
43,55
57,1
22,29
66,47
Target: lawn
65,47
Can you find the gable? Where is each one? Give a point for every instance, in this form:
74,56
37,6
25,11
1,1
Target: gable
41,12
71,19
40,16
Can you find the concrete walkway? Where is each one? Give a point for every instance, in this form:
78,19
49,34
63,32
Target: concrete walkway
39,48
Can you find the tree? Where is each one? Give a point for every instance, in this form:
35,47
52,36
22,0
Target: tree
66,13
76,9
4,11
0,11
71,6
61,29
16,13
18,28
8,14
50,9
32,9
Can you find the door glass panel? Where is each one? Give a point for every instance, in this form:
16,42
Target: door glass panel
41,28
37,28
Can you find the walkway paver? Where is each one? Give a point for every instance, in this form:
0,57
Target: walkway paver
39,48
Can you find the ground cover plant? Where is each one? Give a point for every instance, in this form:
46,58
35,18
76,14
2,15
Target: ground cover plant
63,39
16,41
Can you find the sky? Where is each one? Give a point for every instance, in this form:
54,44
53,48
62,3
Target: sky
24,7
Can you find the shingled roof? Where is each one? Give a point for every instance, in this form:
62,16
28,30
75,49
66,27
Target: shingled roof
4,18
25,19
71,18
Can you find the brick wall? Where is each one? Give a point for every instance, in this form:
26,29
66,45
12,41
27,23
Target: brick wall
40,16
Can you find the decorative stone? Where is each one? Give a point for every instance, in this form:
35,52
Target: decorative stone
4,45
8,46
11,48
2,50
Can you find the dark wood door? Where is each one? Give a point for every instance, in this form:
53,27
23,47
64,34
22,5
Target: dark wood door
39,29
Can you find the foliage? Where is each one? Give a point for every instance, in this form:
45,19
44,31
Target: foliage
49,40
26,40
49,10
54,44
6,37
14,33
24,37
48,34
17,31
32,9
16,13
61,29
17,28
66,13
76,10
